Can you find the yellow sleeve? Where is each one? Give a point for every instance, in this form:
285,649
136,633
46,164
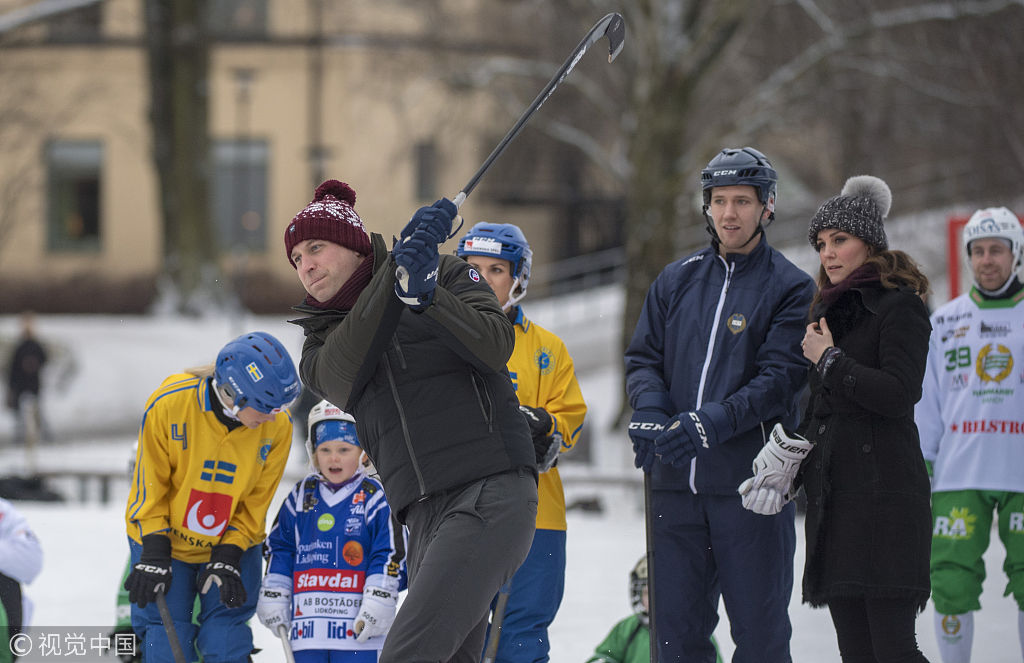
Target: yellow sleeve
148,510
249,522
545,376
565,399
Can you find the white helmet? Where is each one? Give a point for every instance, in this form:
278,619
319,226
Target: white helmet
996,222
326,411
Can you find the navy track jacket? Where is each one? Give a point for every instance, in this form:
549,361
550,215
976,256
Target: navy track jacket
722,336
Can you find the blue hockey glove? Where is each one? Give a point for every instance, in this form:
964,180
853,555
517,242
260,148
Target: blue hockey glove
417,259
645,425
684,434
436,220
222,570
152,573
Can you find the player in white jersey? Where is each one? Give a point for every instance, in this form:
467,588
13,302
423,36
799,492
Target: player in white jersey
21,559
971,421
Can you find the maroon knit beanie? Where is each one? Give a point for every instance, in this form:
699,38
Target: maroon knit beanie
330,216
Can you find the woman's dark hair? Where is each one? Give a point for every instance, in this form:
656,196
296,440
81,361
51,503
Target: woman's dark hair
895,269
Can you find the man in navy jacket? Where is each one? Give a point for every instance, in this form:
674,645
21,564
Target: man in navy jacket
714,363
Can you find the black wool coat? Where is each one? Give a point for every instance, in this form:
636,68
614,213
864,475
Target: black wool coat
868,523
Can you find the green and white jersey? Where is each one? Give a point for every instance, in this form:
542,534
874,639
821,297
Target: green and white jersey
971,413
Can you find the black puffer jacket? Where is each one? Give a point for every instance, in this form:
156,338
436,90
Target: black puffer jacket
434,406
868,515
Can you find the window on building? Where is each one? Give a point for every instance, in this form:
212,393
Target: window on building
425,158
82,24
239,194
239,19
74,176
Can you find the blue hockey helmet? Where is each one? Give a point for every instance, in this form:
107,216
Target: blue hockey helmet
327,421
737,166
507,242
257,372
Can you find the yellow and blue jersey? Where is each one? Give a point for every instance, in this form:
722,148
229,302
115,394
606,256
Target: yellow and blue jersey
544,376
198,482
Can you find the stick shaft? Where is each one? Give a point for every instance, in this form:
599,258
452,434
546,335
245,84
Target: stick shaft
282,632
605,25
172,633
491,650
649,522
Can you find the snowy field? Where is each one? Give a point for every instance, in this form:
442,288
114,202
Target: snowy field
85,552
104,368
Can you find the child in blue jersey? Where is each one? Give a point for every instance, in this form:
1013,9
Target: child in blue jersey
336,557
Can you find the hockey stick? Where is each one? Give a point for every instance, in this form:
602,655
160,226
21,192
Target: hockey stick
282,632
611,26
491,650
172,633
649,523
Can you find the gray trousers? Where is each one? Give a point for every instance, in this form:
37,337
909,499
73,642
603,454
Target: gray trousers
463,545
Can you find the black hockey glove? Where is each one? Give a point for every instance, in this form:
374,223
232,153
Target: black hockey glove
222,570
539,420
546,450
152,573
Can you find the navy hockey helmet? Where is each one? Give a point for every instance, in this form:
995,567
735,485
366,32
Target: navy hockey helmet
257,372
507,242
737,166
637,583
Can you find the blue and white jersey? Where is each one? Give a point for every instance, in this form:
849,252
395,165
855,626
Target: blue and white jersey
331,544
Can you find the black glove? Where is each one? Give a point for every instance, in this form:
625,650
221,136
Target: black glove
539,420
152,573
546,451
222,570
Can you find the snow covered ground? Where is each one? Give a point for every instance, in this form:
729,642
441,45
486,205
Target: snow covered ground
85,552
105,367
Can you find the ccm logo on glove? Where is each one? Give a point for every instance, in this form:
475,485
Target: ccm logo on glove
646,425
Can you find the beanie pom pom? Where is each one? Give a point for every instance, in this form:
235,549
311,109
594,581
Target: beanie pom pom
871,187
338,190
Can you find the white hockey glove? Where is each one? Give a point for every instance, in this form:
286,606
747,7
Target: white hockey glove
376,614
775,468
274,606
765,500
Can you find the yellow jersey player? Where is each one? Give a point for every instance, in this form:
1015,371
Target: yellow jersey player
550,398
212,449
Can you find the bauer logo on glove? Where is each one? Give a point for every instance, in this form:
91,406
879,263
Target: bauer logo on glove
795,445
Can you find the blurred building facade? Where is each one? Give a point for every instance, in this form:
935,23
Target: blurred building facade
298,91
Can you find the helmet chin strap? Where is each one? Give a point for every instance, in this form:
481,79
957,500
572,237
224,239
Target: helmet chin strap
513,298
759,230
999,291
229,411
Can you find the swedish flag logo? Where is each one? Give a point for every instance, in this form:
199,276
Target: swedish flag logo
254,372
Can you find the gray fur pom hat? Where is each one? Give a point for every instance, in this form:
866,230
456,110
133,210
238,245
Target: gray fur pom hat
859,209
